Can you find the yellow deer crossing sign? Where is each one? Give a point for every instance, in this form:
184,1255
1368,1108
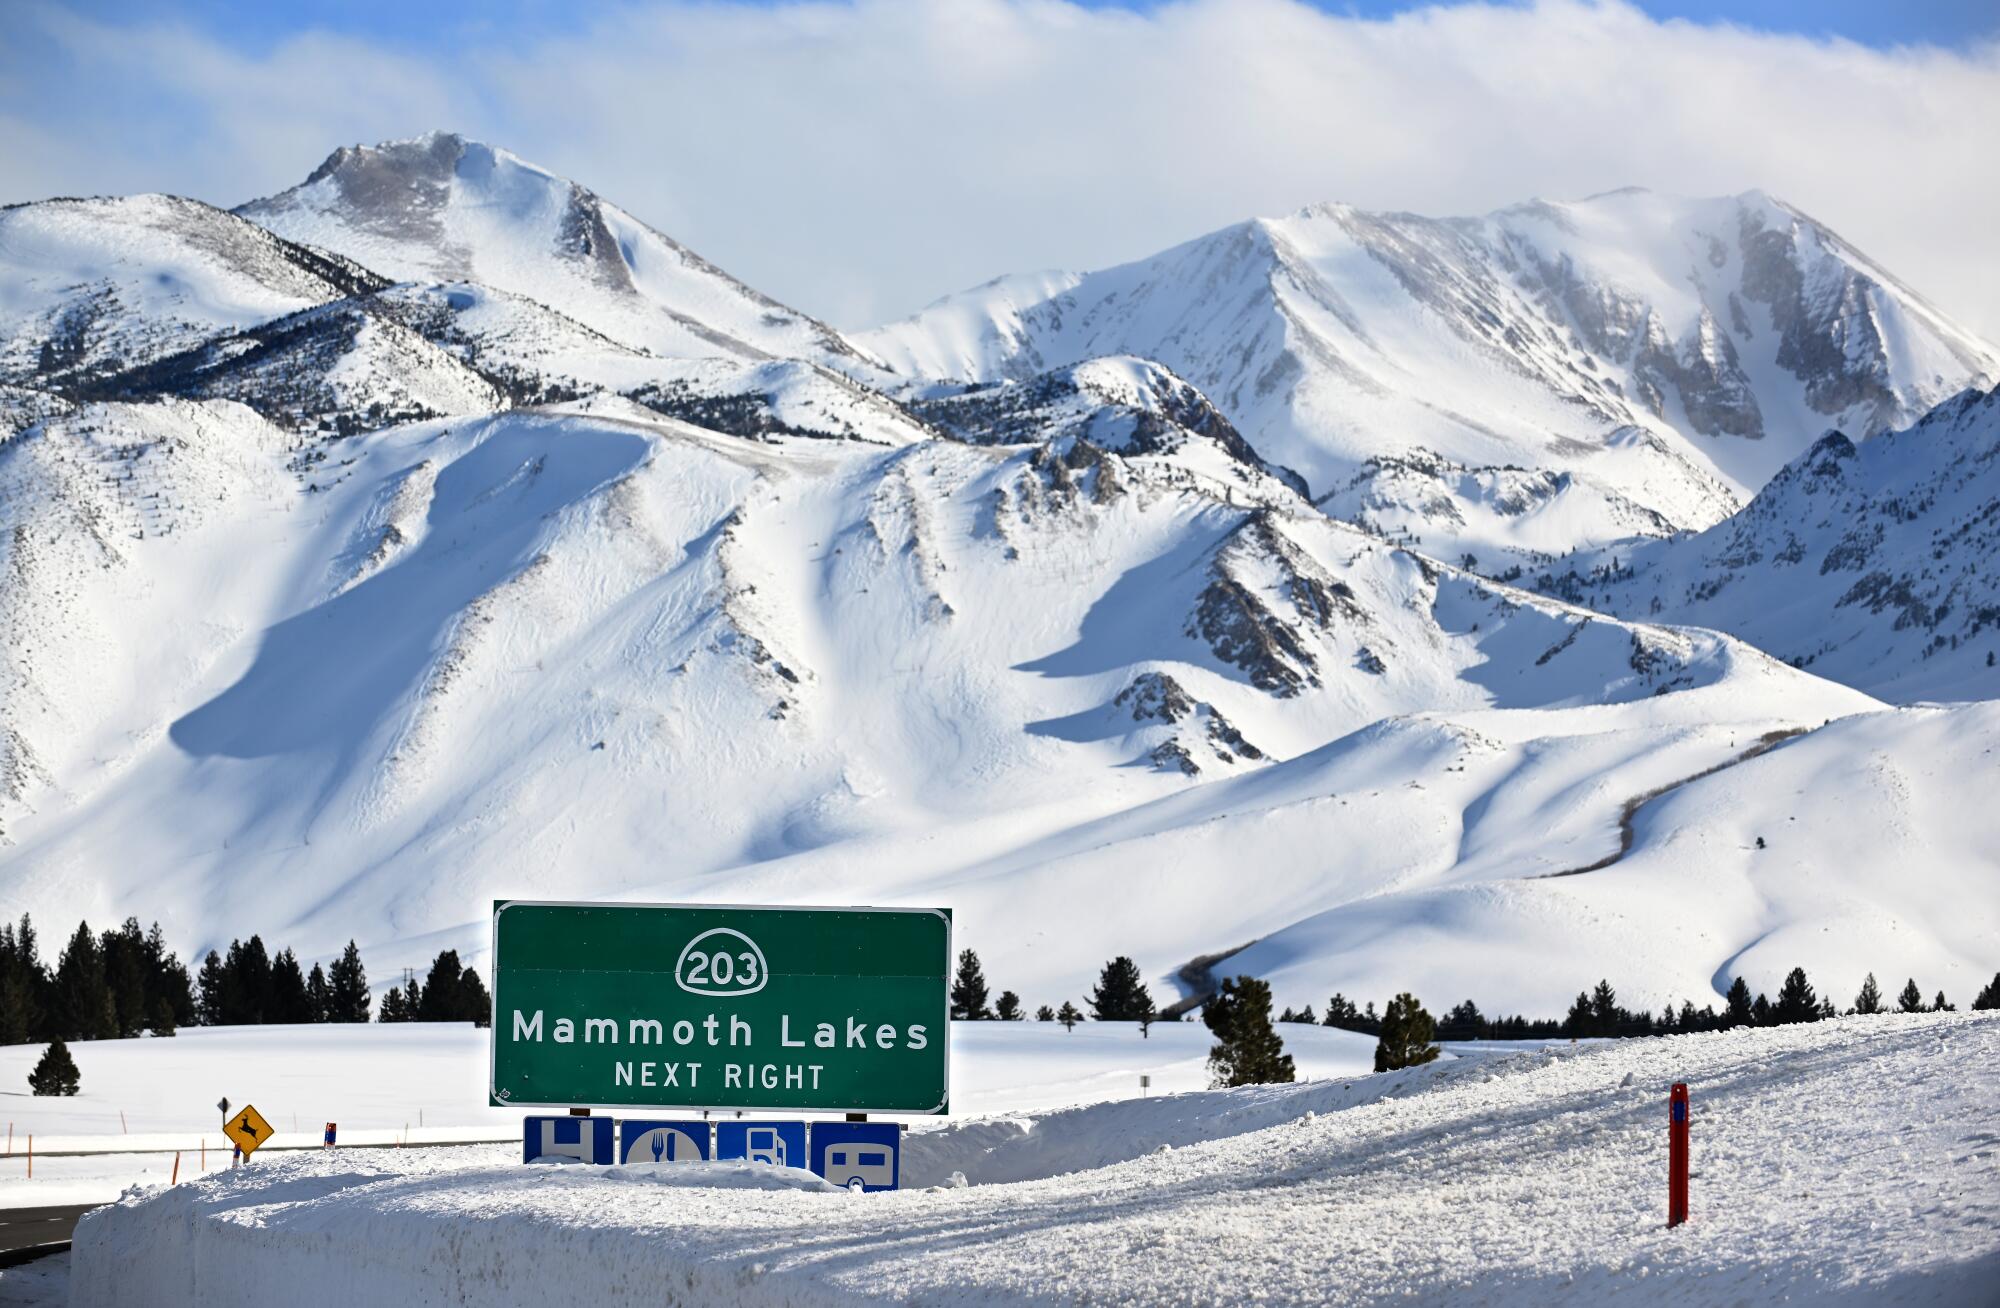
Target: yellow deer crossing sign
248,1129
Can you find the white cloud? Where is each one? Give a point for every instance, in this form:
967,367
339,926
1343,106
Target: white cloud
859,160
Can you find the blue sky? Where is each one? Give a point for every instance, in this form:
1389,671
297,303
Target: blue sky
860,159
1878,23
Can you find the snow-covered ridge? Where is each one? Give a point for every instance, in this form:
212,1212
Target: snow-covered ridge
1730,332
91,287
1870,563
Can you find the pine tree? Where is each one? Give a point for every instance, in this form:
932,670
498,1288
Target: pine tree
1247,1049
125,976
165,1020
1760,1011
1938,1005
1121,994
1578,1022
439,999
212,986
1465,1022
1045,1014
319,995
289,1002
349,982
1796,1000
1406,1035
167,985
246,983
1341,1012
392,1006
1605,1015
475,1005
1008,1009
56,1073
968,990
1869,1000
1989,998
1069,1015
1737,1012
83,1000
14,1014
1912,999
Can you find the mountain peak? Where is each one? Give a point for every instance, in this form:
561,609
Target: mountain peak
445,208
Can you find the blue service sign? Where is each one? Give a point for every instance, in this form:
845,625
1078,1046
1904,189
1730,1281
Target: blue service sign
662,1142
781,1144
858,1155
585,1139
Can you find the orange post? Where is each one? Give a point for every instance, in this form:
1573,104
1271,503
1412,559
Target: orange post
175,1179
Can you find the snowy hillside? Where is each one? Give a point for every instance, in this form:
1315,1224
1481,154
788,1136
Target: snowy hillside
1872,564
522,655
564,565
90,287
444,209
1549,376
1833,1163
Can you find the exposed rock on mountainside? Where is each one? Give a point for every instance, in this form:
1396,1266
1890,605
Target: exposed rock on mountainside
1133,406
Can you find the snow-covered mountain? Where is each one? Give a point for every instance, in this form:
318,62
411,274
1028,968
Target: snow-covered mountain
522,655
442,208
1548,376
1871,563
492,544
94,287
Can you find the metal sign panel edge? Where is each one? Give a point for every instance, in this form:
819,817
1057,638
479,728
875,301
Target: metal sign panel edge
494,1100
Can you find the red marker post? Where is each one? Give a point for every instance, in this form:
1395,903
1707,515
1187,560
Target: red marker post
1677,1155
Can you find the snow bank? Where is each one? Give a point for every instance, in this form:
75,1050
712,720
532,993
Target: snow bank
424,1084
1850,1160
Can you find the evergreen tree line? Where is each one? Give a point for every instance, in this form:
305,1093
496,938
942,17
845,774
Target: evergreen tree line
450,993
121,983
125,982
1120,996
1597,1012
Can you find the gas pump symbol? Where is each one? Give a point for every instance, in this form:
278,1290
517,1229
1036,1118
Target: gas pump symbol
762,1144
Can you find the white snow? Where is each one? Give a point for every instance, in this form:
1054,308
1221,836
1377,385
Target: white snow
442,208
524,655
1334,337
1831,1162
420,1084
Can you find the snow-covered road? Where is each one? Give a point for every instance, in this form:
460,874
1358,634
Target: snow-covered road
1854,1160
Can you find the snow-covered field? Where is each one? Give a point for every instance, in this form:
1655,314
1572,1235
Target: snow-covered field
1854,1161
426,1084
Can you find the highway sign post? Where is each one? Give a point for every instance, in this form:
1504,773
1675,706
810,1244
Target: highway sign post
248,1130
699,1006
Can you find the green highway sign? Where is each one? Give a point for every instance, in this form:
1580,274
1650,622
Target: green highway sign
718,1006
